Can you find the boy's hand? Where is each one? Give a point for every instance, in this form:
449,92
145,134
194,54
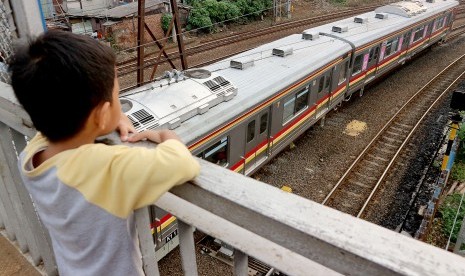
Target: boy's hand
125,127
157,136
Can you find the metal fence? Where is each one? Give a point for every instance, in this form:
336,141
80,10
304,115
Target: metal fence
7,30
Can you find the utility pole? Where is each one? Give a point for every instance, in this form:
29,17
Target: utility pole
140,41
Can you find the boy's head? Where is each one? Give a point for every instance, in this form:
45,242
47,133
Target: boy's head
60,78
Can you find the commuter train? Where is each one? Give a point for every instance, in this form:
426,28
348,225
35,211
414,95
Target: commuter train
242,111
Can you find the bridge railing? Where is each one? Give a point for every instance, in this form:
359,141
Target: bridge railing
294,235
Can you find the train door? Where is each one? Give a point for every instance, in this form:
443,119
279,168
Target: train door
430,28
321,92
372,63
340,81
403,46
257,144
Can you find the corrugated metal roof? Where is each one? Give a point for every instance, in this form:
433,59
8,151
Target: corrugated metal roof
130,9
119,11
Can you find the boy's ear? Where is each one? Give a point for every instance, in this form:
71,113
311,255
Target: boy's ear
102,114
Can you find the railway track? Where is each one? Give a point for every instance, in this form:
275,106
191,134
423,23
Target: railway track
129,66
456,32
355,190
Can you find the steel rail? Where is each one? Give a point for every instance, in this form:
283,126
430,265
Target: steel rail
454,35
379,134
405,142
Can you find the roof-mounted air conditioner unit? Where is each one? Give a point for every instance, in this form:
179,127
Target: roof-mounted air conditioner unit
381,15
241,63
310,35
282,52
340,29
361,20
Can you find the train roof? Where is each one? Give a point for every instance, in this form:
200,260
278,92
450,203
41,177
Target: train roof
208,98
384,20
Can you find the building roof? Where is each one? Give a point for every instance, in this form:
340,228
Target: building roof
121,11
131,8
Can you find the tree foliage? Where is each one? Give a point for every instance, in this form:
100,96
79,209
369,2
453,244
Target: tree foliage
199,19
165,21
208,12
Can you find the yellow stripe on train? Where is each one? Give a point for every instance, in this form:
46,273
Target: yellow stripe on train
164,224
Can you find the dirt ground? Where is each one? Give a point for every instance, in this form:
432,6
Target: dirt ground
12,263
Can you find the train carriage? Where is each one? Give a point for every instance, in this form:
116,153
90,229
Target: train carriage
240,112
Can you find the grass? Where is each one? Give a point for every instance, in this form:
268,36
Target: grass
448,211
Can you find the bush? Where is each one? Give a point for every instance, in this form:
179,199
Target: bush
207,12
220,11
199,19
251,8
448,211
165,21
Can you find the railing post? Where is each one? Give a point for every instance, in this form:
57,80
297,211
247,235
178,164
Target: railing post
10,197
187,248
6,211
241,263
147,247
35,235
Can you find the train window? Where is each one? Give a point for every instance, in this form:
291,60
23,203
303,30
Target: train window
439,23
288,109
263,123
328,81
407,38
301,101
217,153
448,17
374,52
321,84
343,72
251,131
418,33
357,65
295,104
391,47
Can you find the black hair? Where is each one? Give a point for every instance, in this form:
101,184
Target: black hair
59,78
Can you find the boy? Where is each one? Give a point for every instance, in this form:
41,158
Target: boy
85,193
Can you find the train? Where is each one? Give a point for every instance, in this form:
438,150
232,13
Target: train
242,111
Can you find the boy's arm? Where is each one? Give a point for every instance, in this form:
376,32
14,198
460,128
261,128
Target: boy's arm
120,179
156,136
125,127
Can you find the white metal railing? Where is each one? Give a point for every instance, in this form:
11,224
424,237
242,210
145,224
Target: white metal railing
292,234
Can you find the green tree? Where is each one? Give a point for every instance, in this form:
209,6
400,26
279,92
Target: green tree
199,19
165,21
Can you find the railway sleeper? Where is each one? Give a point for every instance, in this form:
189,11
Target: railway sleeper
373,163
367,177
360,184
401,134
396,131
399,129
387,144
403,125
352,195
392,140
378,158
369,167
385,150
